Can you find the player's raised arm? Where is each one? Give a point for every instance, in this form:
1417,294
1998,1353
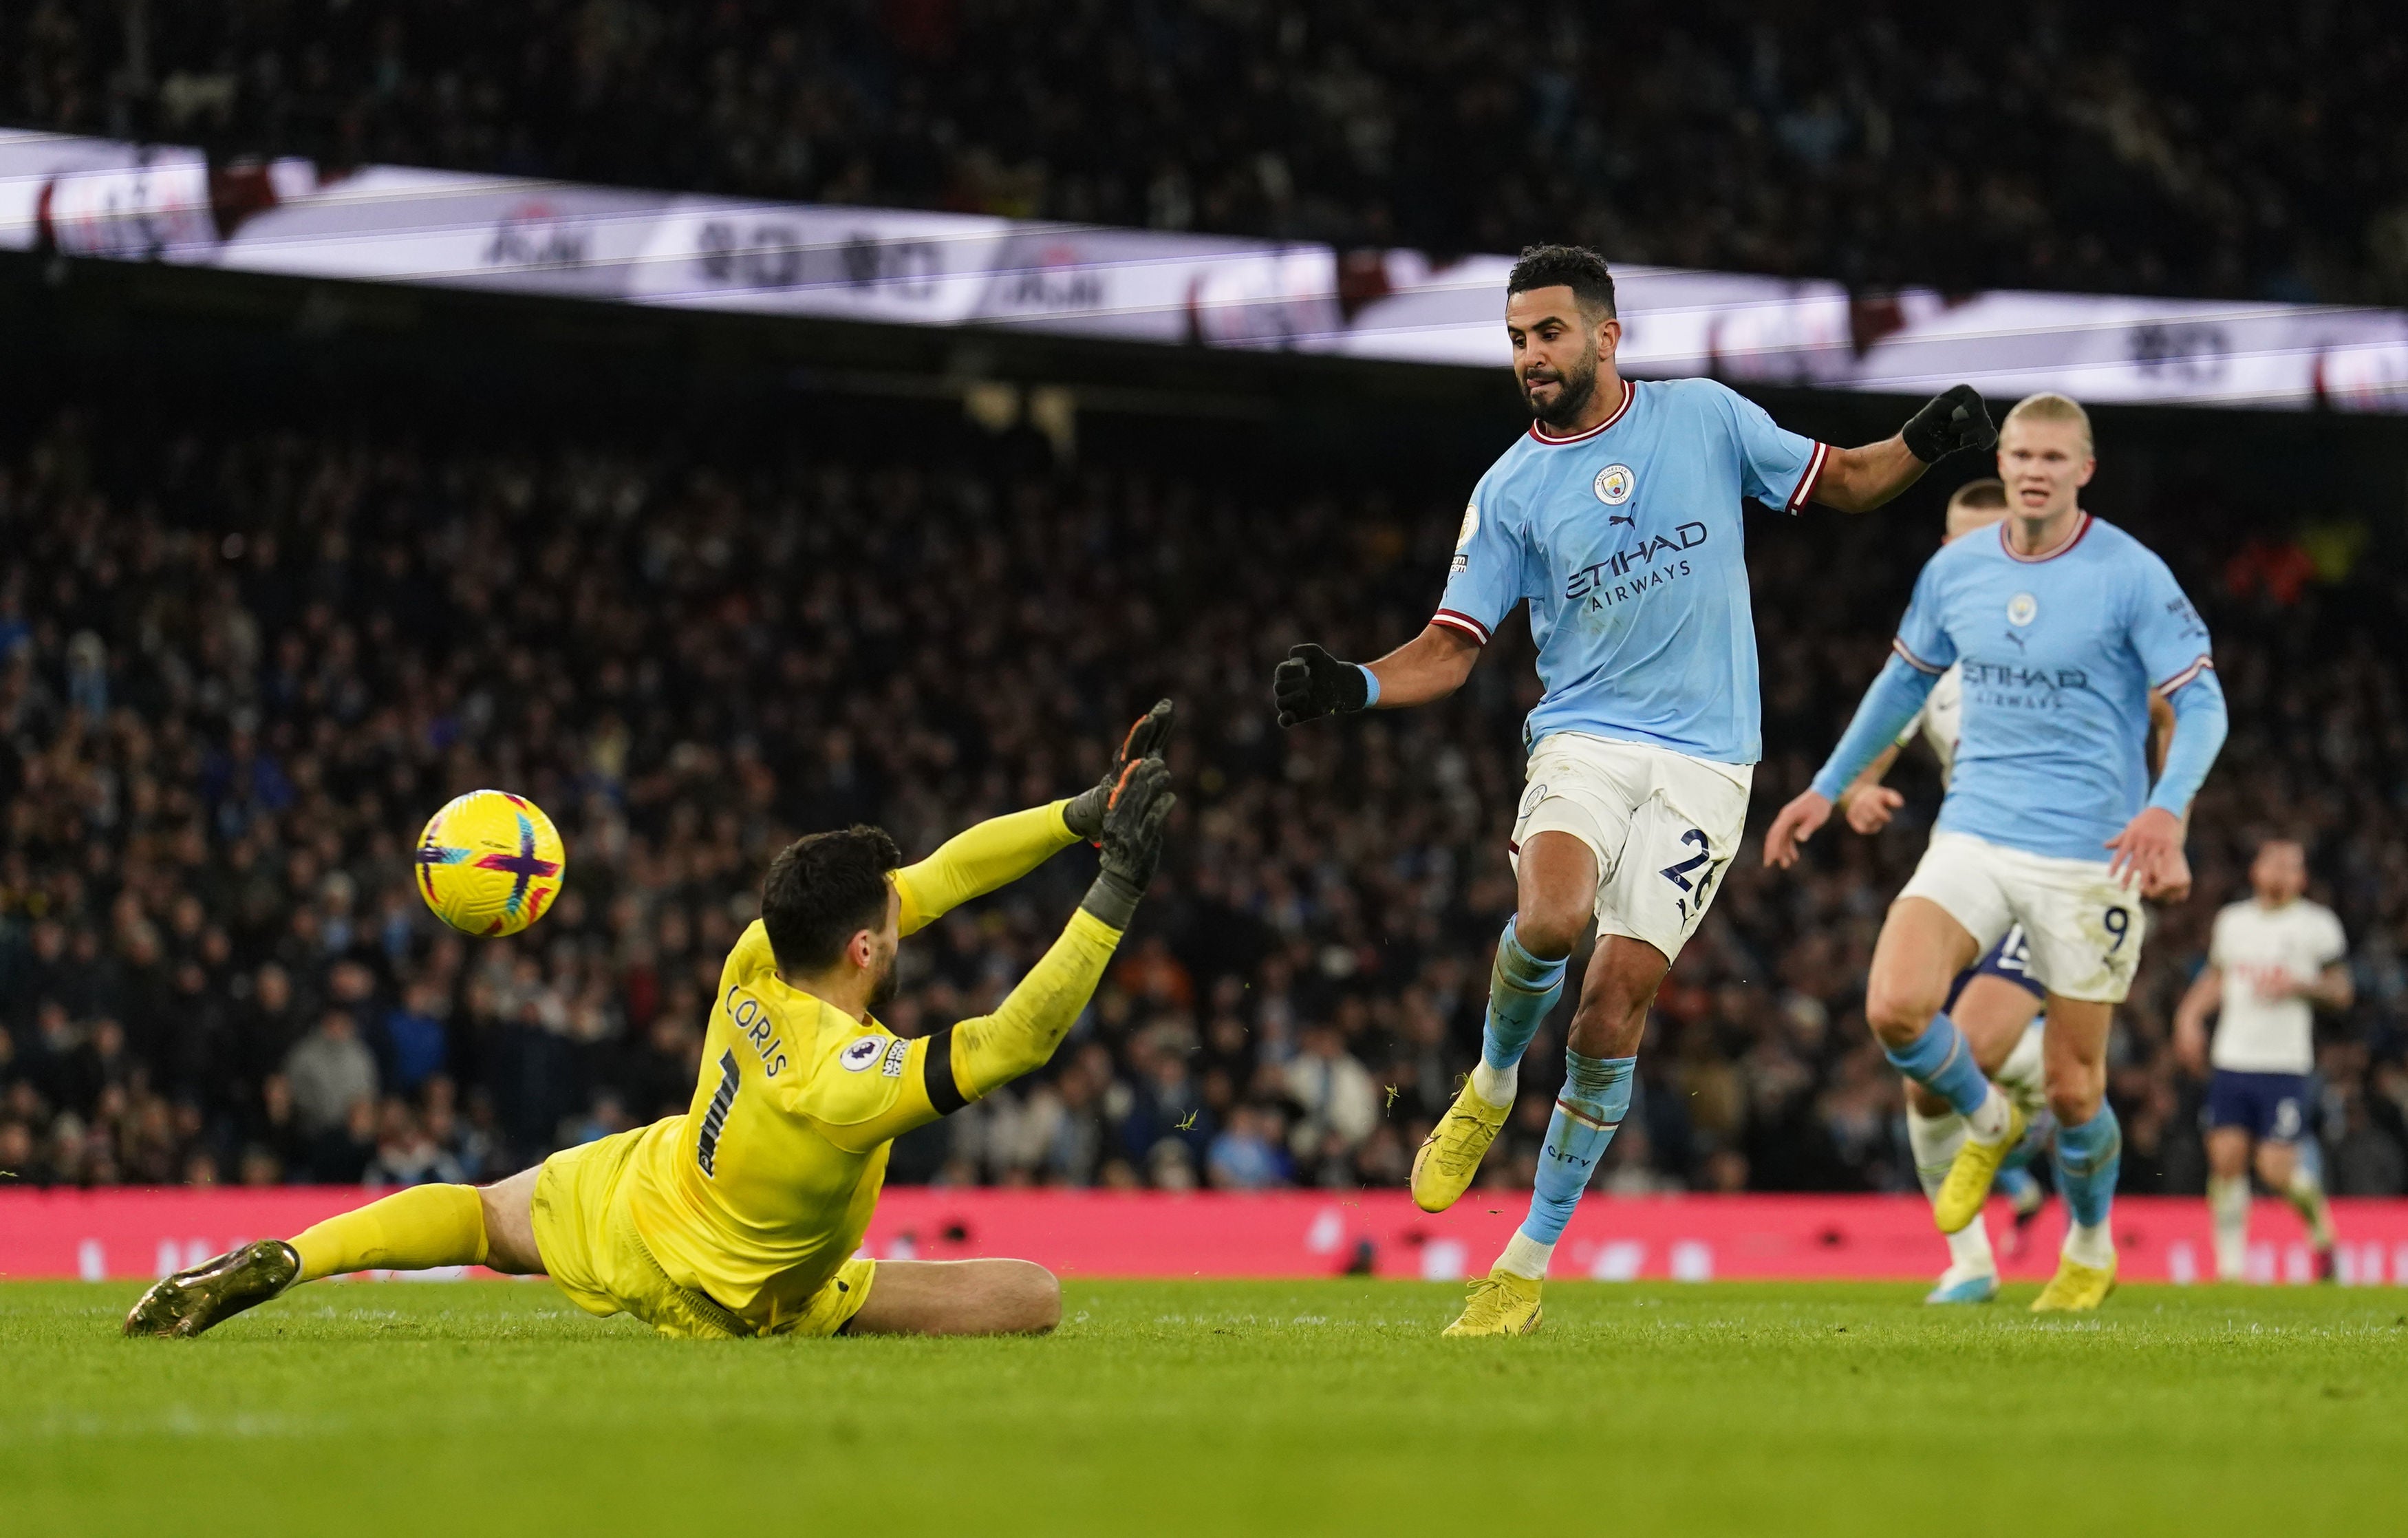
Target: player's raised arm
1861,480
946,1071
1001,850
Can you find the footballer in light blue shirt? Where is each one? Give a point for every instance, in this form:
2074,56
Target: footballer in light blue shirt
1619,520
1628,540
2063,626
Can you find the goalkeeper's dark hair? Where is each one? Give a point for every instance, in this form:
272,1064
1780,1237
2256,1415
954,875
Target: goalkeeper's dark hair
822,890
1575,267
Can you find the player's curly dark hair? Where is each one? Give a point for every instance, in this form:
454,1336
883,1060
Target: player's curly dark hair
1575,267
822,890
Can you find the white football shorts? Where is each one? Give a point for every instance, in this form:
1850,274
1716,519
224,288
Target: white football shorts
1662,824
2085,926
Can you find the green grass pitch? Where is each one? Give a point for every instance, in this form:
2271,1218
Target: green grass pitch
1220,1408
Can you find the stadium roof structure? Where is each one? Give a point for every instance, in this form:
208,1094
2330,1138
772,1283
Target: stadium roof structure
106,199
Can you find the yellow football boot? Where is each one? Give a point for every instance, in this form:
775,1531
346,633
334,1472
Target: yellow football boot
2075,1287
1451,1155
1501,1303
1959,1202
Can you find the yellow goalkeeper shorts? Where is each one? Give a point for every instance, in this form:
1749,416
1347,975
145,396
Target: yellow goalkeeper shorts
586,1234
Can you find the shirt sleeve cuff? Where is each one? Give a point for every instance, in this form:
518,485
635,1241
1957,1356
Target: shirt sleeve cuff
1813,476
1454,619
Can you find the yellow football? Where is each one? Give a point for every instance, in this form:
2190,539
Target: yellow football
490,863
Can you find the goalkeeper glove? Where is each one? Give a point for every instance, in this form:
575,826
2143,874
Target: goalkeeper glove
1952,420
1084,815
1132,840
1312,683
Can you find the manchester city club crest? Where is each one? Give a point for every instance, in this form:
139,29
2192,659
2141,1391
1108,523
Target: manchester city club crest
1614,484
2022,608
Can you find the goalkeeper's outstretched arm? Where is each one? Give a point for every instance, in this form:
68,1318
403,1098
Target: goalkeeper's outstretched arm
1001,850
978,860
946,1071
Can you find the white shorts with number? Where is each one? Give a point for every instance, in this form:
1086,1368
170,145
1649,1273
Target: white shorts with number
2084,925
1662,824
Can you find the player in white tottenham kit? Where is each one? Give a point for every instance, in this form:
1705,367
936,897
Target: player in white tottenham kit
2270,962
1997,1002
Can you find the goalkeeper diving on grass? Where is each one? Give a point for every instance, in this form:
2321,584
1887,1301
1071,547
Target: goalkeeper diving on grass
742,1217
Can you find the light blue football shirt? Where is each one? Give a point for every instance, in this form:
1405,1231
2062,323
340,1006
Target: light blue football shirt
1629,543
2060,653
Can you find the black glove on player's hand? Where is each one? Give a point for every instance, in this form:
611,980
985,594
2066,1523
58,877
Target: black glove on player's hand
1312,683
1132,840
1084,815
1952,420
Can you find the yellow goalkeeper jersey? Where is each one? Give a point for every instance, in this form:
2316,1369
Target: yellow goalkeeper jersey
766,1186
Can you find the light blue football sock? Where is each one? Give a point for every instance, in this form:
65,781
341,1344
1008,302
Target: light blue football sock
1942,1060
1521,990
2089,1157
1594,1098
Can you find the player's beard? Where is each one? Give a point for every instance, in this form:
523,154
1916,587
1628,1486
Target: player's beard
881,992
1575,386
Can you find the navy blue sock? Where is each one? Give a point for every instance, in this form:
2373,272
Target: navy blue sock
1942,1060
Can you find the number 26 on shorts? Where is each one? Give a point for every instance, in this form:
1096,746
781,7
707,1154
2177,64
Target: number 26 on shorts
1693,896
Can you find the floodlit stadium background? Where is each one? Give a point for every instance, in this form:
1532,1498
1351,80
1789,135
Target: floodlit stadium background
358,449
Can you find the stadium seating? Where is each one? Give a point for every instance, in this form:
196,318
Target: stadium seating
239,665
2216,149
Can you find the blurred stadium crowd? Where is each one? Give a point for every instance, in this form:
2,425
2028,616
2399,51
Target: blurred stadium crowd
238,670
2213,148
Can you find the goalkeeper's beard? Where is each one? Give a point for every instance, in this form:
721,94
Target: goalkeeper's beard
882,991
1573,387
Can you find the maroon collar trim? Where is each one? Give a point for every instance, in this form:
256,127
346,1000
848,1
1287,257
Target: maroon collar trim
2067,543
1629,394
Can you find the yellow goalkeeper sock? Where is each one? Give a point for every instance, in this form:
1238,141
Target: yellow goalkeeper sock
422,1227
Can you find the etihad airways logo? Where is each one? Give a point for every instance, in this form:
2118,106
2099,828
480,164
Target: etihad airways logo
1646,554
2007,685
2006,675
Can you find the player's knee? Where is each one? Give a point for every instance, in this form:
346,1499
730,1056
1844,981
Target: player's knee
2075,1093
1030,1299
1549,929
2228,1153
2276,1163
1607,1028
1900,1009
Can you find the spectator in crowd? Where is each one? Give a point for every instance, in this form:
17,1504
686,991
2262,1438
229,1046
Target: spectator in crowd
330,1072
2225,149
212,966
1333,1091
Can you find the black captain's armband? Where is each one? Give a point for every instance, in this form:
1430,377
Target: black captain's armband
715,1120
937,1072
